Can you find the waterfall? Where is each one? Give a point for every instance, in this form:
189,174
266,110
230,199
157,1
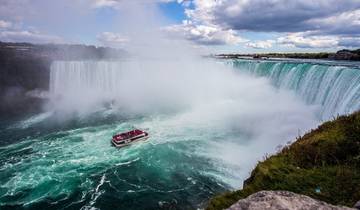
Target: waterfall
86,85
100,77
336,89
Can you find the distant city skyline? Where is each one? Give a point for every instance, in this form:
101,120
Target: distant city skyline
215,25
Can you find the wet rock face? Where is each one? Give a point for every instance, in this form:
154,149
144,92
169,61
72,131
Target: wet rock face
284,200
25,69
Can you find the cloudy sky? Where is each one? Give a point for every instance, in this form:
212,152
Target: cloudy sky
218,25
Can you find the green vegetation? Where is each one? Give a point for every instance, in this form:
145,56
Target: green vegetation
352,55
323,164
321,55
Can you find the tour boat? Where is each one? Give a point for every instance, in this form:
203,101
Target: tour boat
127,138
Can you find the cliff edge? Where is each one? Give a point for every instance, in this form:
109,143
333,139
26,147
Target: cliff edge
323,164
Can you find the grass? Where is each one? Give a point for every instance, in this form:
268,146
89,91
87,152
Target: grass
323,164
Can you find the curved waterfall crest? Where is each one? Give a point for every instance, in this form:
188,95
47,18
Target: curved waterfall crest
336,89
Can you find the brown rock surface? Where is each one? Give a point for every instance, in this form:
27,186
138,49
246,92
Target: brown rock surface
282,200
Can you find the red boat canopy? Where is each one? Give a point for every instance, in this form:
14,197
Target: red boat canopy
127,135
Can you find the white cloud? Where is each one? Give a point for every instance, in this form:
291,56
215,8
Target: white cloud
269,15
301,23
260,44
111,39
309,24
5,24
105,3
202,11
205,34
347,23
117,3
300,40
28,36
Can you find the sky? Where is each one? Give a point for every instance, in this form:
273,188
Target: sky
220,26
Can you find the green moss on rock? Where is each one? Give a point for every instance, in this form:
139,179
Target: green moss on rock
323,164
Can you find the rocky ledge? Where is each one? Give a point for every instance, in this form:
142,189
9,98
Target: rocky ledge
274,200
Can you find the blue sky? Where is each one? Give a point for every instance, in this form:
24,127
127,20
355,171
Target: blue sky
174,11
218,25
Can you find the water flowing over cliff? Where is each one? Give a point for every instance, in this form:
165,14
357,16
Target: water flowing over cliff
335,88
209,124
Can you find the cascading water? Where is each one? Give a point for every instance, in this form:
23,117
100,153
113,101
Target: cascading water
94,82
336,89
208,126
101,76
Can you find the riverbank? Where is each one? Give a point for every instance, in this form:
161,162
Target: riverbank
349,55
323,164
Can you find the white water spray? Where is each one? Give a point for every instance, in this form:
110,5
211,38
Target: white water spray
167,78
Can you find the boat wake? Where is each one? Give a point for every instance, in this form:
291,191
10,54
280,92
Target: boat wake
97,193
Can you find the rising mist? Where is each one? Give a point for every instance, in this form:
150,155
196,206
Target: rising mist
166,76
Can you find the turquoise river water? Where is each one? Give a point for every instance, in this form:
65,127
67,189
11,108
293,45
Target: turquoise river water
221,125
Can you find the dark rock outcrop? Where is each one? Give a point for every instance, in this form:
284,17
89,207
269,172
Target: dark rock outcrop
25,68
275,200
346,55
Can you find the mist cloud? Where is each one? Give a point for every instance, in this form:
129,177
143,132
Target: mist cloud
168,80
111,39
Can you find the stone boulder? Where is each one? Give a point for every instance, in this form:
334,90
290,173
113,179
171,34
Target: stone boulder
357,205
282,200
